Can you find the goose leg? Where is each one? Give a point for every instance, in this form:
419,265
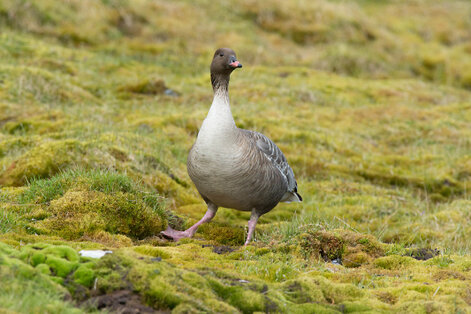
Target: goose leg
252,223
188,233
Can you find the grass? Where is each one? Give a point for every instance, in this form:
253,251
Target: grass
369,101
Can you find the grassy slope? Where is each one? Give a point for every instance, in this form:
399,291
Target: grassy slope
370,103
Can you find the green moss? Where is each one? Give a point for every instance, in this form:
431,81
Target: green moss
244,299
162,295
148,87
38,258
360,249
321,244
96,206
62,251
195,280
440,261
151,251
44,269
184,308
42,161
394,262
312,308
369,101
107,239
45,190
6,249
78,213
110,271
355,259
303,290
58,280
29,289
60,267
84,276
226,235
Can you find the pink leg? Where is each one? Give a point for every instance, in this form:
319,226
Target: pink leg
177,235
252,223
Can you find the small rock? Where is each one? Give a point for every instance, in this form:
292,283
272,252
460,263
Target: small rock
422,254
171,92
222,249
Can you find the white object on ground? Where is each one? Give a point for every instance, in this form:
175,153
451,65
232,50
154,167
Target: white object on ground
94,253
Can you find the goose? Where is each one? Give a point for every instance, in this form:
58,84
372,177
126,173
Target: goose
233,167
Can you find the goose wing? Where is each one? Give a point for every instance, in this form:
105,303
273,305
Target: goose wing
274,154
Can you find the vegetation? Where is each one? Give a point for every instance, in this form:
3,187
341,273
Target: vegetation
370,101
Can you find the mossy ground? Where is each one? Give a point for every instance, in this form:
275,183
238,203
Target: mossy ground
370,101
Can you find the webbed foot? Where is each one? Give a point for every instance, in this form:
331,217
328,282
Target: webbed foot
175,235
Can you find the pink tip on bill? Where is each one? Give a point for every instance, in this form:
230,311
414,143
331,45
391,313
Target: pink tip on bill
235,64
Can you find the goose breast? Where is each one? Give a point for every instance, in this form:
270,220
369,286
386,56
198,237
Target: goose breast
242,175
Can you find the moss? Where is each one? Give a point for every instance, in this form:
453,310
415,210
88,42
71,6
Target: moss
33,286
60,267
119,154
79,213
84,276
45,190
448,274
148,87
262,251
162,295
42,161
108,239
303,290
367,100
245,300
56,260
168,187
394,262
386,297
360,249
422,254
184,308
195,280
355,259
317,289
62,251
151,251
321,244
6,249
44,269
312,308
222,234
440,261
58,280
110,270
309,31
37,258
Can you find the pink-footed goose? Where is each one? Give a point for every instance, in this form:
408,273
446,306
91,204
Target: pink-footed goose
232,167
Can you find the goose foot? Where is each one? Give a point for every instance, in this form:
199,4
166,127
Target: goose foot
252,223
175,235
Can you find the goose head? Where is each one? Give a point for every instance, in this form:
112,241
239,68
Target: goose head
224,62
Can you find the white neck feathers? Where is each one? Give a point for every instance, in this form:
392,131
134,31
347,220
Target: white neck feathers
219,125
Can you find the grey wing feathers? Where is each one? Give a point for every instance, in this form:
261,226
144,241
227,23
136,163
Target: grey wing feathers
276,156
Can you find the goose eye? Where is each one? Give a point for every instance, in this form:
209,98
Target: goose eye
221,55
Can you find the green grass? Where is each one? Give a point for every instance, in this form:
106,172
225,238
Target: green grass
369,101
43,191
